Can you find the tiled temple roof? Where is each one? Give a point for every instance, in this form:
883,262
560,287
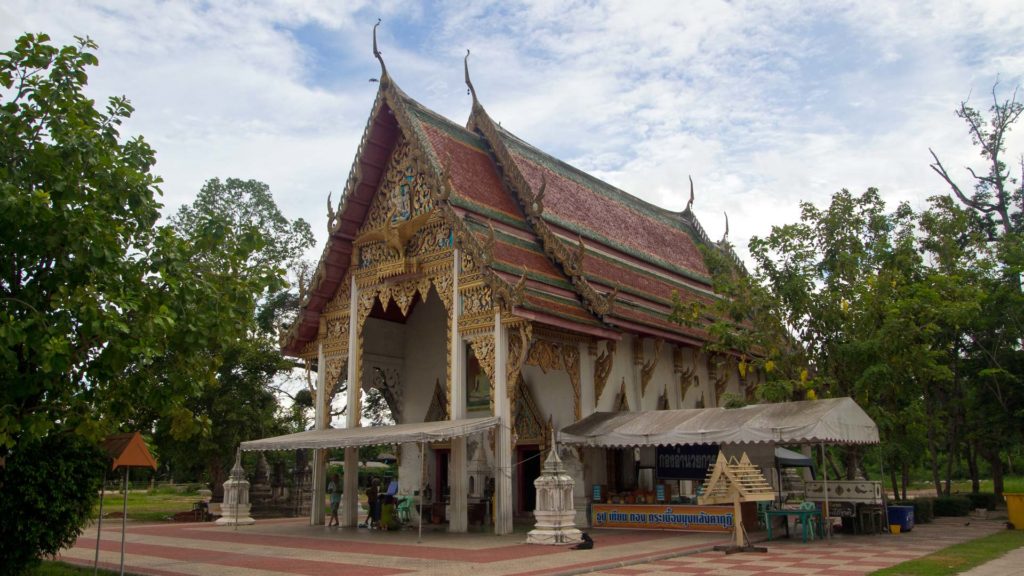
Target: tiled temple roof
596,259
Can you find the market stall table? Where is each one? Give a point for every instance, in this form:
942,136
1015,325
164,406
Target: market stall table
809,517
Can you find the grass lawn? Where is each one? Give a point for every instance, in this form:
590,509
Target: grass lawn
1012,484
148,506
960,557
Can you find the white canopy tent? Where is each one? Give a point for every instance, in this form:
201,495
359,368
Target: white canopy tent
420,432
374,435
830,421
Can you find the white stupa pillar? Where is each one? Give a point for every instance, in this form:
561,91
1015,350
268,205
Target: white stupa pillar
234,511
555,513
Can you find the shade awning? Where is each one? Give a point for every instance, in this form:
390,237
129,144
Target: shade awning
830,421
373,435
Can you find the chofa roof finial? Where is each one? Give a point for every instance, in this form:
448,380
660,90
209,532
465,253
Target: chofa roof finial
689,205
376,52
725,237
469,83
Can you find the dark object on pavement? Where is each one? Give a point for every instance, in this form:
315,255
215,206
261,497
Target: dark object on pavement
587,543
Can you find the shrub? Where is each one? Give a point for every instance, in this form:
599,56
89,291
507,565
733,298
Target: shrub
986,500
49,487
924,508
952,506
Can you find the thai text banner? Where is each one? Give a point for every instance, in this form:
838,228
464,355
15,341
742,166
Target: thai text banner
663,517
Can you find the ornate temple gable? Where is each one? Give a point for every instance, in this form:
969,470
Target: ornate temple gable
439,184
401,235
527,422
438,409
389,224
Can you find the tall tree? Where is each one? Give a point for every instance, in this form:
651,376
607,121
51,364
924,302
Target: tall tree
104,320
845,279
993,360
252,246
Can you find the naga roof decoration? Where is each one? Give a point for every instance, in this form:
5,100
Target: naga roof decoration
556,245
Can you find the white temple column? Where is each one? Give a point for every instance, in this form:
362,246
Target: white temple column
588,355
636,402
350,512
316,511
503,441
458,477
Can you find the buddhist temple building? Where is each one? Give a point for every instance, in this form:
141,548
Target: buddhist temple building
474,279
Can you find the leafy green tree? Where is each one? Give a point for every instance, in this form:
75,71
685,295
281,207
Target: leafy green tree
993,361
253,246
80,297
49,488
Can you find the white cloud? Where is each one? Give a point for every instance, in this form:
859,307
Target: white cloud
764,103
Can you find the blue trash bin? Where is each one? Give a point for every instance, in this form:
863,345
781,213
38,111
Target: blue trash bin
902,515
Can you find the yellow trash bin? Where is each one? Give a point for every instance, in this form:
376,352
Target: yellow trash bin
1015,509
894,528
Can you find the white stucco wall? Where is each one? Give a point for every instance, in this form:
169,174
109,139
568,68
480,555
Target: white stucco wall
425,350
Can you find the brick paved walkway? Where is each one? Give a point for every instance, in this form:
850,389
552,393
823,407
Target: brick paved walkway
286,547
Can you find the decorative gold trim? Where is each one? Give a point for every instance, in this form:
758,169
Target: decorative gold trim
687,374
571,361
335,365
603,368
519,339
719,375
545,355
483,349
647,370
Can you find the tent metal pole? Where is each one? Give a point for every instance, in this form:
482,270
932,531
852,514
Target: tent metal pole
124,516
99,525
824,476
423,452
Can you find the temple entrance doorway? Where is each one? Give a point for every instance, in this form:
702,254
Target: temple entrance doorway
528,470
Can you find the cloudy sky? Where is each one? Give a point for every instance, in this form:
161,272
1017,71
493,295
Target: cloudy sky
765,104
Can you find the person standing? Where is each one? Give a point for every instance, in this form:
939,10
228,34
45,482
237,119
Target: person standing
373,504
335,489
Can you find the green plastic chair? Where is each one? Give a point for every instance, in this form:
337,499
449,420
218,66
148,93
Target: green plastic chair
404,510
811,527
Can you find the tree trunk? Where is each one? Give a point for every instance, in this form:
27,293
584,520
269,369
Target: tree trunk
905,472
895,485
972,466
852,458
996,463
933,451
